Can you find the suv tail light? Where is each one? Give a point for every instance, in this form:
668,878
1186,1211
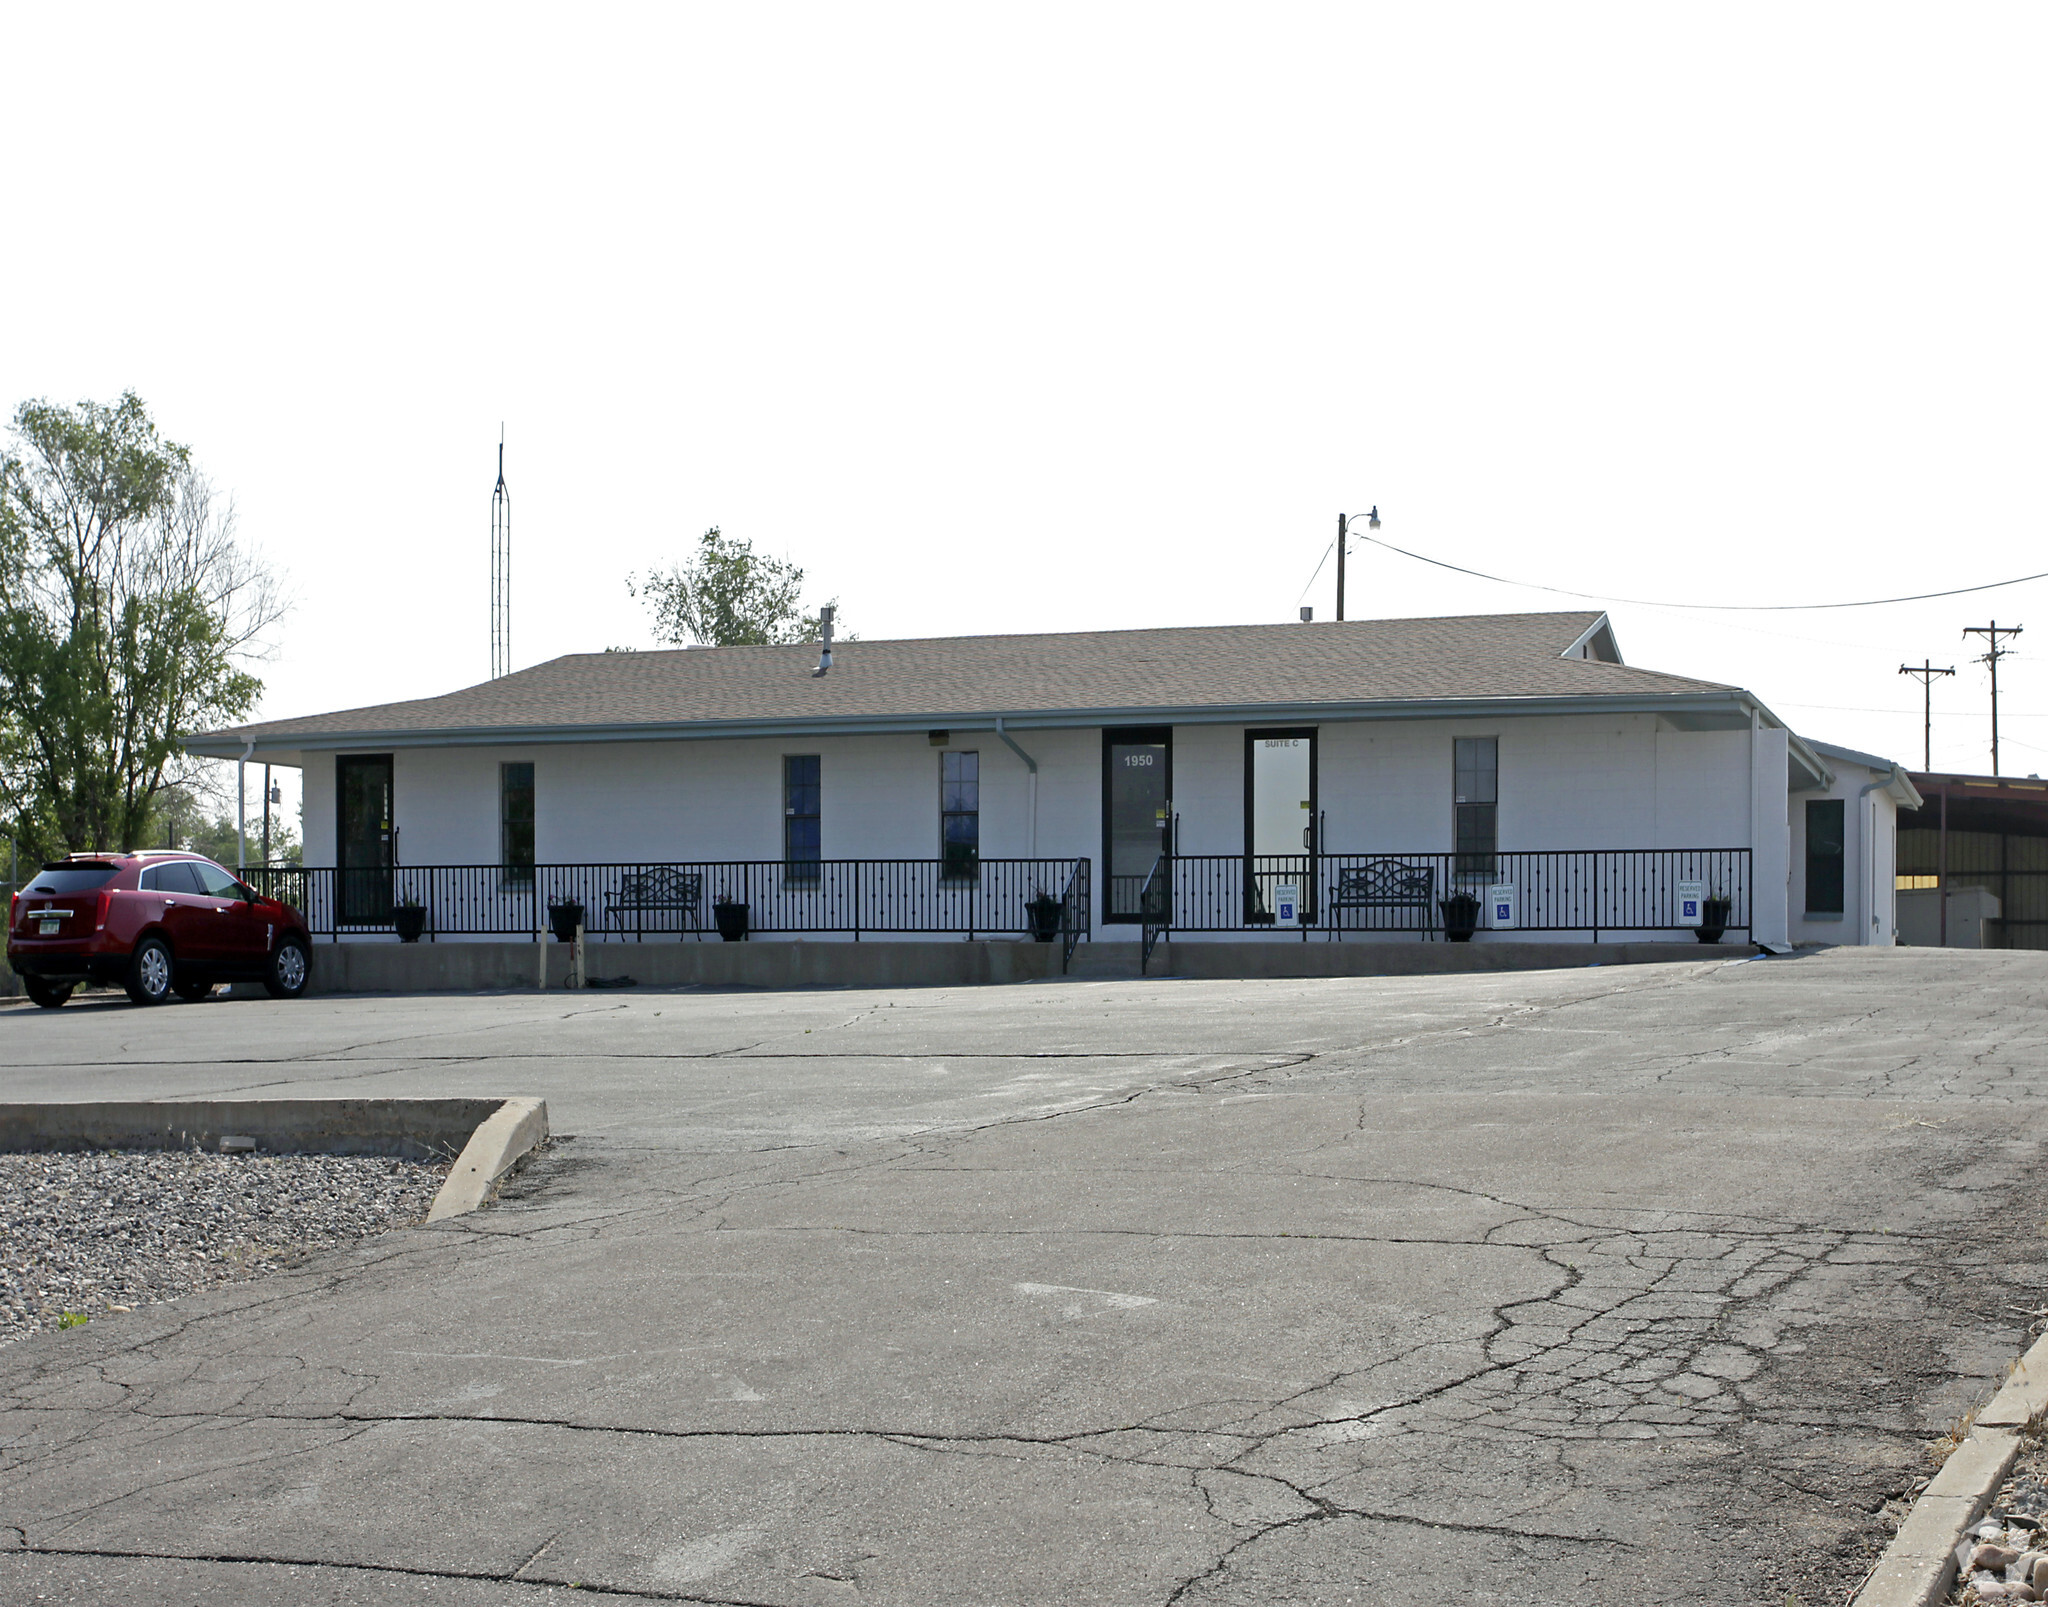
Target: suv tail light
106,905
13,912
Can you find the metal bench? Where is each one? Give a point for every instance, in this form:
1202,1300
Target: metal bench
1387,884
663,891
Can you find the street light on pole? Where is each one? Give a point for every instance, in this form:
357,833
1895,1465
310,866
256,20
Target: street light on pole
1372,522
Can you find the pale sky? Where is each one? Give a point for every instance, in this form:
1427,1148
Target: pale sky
1070,317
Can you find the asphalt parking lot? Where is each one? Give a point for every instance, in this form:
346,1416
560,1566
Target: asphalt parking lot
1622,1285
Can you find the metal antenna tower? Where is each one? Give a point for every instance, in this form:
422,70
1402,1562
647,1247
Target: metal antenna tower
501,570
1924,672
1991,633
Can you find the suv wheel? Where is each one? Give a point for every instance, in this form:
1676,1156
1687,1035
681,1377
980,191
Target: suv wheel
150,972
291,968
47,994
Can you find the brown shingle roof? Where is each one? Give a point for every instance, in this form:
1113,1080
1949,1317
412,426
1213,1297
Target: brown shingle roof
1145,671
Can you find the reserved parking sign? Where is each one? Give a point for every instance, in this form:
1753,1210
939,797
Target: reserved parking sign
1287,905
1500,906
1691,895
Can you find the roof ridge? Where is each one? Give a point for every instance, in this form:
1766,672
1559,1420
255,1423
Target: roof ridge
841,643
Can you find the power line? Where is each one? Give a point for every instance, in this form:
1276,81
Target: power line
1319,569
1717,608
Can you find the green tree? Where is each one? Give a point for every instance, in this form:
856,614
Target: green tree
128,612
198,815
727,595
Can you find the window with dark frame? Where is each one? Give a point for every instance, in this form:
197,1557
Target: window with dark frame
959,814
1826,853
515,822
801,834
1476,791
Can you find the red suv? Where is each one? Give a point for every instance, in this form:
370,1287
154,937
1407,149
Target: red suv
157,923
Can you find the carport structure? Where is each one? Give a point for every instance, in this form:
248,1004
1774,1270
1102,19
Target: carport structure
1982,831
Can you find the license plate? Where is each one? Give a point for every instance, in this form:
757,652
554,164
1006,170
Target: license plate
50,928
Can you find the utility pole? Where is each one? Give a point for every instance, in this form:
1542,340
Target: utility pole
1925,672
1991,633
1343,529
1372,522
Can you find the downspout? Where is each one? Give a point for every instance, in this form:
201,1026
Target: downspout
1869,835
242,805
1031,765
1755,857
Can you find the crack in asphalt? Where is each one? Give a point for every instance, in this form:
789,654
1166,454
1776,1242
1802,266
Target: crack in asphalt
405,1570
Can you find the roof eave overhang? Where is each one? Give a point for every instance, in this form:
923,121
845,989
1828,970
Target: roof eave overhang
291,746
1899,786
1819,774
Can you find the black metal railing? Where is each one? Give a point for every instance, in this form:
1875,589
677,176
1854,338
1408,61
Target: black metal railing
1155,906
1076,915
1569,890
1589,890
681,897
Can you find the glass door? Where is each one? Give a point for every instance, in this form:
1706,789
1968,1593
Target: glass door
1279,823
364,850
1137,814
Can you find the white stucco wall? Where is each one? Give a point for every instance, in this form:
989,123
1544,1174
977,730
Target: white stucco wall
1566,782
1870,854
1770,867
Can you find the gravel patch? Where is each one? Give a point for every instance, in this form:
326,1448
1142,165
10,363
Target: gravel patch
86,1233
2005,1557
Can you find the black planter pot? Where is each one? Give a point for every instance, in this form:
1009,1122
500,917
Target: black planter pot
411,920
563,919
1045,918
1461,916
732,921
1714,914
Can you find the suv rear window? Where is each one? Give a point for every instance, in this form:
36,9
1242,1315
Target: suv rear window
175,876
72,878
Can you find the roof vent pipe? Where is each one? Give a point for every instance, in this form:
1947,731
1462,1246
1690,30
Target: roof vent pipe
824,636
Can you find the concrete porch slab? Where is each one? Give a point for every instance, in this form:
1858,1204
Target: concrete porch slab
491,967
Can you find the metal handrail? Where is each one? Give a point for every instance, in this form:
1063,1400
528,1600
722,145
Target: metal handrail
1075,915
1155,906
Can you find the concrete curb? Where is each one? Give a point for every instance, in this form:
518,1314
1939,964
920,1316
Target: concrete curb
494,1135
416,1129
1920,1564
498,1145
